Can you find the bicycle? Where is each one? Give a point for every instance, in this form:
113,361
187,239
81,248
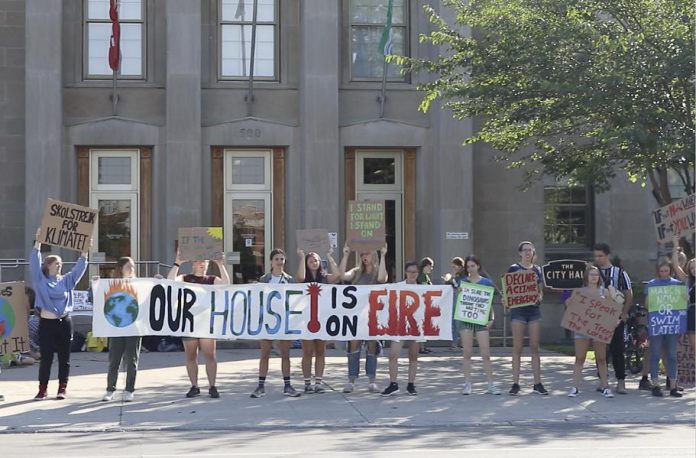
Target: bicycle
636,338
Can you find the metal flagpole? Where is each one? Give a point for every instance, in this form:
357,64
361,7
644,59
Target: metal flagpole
250,94
114,71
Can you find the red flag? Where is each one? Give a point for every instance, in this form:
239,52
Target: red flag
115,43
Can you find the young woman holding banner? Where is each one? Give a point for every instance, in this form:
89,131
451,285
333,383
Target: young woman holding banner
593,281
526,317
192,345
54,304
667,341
310,270
411,269
126,349
277,275
369,272
468,330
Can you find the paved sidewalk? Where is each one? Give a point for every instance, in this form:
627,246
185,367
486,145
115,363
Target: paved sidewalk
160,403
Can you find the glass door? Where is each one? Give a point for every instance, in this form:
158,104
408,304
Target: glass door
248,233
117,228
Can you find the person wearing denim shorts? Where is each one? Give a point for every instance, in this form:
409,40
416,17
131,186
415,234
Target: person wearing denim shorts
192,344
526,317
592,283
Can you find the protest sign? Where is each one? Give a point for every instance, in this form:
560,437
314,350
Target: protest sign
667,309
686,363
520,289
564,274
592,315
14,328
271,311
474,303
366,229
676,218
67,225
200,243
81,301
313,241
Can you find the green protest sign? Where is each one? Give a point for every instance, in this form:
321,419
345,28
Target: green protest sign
667,298
474,303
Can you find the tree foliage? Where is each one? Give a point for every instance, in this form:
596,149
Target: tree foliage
575,89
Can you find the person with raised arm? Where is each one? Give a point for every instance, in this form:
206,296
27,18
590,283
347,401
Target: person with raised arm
54,304
370,271
192,345
311,270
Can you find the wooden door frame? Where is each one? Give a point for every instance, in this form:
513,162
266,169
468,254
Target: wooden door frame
144,189
277,190
408,190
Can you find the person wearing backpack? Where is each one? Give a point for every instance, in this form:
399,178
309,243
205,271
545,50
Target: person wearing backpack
614,277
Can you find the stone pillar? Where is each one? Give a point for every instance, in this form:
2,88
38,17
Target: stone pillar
319,81
44,109
183,155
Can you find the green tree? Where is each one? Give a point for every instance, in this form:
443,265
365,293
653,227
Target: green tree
575,89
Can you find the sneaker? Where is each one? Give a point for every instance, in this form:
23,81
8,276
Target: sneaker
493,389
309,389
213,392
290,391
193,392
657,391
411,389
539,389
621,387
393,388
644,385
259,392
318,389
62,391
607,393
467,389
372,388
573,393
349,387
675,393
128,396
108,396
42,393
515,390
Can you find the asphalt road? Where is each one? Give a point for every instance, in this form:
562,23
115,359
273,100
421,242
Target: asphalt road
557,440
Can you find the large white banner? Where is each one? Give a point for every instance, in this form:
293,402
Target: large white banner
145,307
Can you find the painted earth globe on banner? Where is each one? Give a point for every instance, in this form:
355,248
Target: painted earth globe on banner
121,309
7,318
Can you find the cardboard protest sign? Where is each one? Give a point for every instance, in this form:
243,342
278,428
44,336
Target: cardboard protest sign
313,241
200,243
564,274
67,225
592,315
676,218
14,328
474,303
366,225
520,289
146,306
686,363
667,309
